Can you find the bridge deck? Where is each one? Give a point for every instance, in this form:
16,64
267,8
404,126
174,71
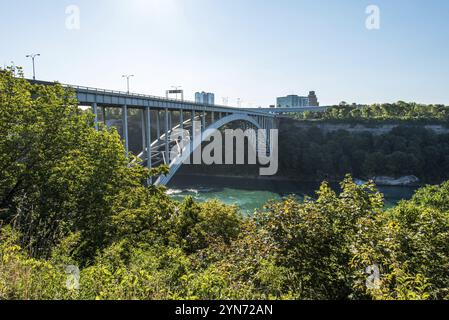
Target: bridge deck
292,110
156,149
88,96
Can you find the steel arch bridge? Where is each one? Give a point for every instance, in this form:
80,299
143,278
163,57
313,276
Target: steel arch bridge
159,117
186,153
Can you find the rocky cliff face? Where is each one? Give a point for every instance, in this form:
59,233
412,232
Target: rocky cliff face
377,129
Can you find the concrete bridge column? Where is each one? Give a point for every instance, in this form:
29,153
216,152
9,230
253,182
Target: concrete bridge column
167,148
257,140
125,127
103,110
193,129
95,112
213,116
158,125
148,138
203,123
170,122
142,121
181,123
265,128
269,134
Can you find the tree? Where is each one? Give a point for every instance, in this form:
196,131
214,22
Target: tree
58,174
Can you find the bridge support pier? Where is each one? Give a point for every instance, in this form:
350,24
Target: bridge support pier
170,122
167,149
104,114
193,129
158,125
203,123
257,140
181,124
95,112
143,126
148,138
269,136
125,127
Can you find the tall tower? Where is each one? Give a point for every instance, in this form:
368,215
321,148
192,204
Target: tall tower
205,98
210,98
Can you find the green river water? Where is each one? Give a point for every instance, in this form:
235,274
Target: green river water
251,194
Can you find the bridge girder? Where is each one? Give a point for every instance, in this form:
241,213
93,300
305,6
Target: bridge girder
176,164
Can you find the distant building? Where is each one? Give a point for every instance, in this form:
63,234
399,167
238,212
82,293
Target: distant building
295,101
292,101
205,98
313,100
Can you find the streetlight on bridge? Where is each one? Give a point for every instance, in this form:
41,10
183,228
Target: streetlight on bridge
33,56
127,76
176,90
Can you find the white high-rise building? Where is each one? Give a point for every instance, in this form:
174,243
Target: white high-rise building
205,98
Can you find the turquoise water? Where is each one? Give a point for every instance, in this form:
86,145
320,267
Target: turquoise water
252,194
246,200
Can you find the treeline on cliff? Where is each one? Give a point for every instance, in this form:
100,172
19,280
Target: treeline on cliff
70,197
399,111
312,153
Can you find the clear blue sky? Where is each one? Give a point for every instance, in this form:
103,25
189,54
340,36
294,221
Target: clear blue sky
252,49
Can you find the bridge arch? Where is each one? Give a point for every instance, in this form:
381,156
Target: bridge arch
176,164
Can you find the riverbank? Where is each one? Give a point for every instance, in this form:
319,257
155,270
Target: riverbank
406,181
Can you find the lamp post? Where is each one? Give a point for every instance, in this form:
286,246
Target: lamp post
176,89
13,66
127,76
33,56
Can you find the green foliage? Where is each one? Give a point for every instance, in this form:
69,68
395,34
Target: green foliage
381,112
315,238
194,226
58,175
69,196
311,153
318,249
26,278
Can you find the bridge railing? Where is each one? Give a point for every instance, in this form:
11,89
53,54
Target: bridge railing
146,96
114,92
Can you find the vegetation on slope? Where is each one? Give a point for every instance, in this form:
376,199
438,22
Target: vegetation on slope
312,153
399,111
69,196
